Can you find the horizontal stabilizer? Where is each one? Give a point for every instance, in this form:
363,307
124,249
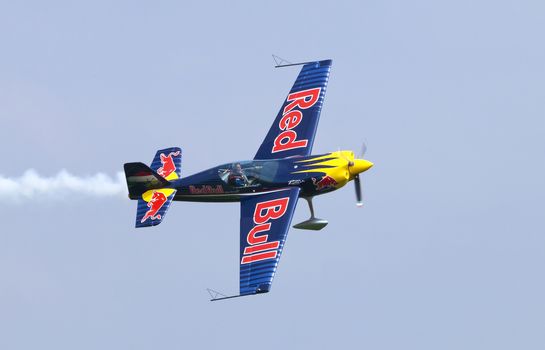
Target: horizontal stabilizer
168,163
153,206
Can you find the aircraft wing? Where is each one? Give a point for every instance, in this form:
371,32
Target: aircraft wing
292,132
264,223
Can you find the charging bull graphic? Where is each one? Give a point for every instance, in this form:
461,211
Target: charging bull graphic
324,183
155,204
168,164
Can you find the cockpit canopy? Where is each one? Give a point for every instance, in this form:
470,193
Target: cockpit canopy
249,173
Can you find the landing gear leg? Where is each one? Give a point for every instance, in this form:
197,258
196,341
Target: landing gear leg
313,223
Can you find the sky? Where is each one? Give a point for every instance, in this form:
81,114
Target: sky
448,251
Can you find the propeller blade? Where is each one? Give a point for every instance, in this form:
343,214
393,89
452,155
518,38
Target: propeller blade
359,201
348,161
363,150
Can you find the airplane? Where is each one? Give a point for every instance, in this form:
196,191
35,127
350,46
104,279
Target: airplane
267,187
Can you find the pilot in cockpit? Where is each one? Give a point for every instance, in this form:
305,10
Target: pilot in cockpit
237,177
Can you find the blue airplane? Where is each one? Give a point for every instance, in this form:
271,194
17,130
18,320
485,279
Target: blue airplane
267,187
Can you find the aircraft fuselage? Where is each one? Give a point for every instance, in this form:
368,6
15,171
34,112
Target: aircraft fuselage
231,182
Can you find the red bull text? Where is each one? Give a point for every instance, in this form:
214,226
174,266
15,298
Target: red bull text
206,189
291,117
260,248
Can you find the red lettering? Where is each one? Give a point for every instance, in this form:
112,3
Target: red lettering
258,245
274,209
290,120
261,247
252,239
291,142
258,257
300,99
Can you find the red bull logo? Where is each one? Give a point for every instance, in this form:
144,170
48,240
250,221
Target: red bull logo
155,204
324,183
206,189
167,162
292,117
259,248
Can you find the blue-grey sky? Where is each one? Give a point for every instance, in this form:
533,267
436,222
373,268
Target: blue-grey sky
448,252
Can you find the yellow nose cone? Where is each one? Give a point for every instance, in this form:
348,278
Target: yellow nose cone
360,165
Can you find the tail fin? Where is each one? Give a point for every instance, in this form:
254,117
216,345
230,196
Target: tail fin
168,163
140,178
151,186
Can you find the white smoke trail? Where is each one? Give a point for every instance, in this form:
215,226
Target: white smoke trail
61,186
